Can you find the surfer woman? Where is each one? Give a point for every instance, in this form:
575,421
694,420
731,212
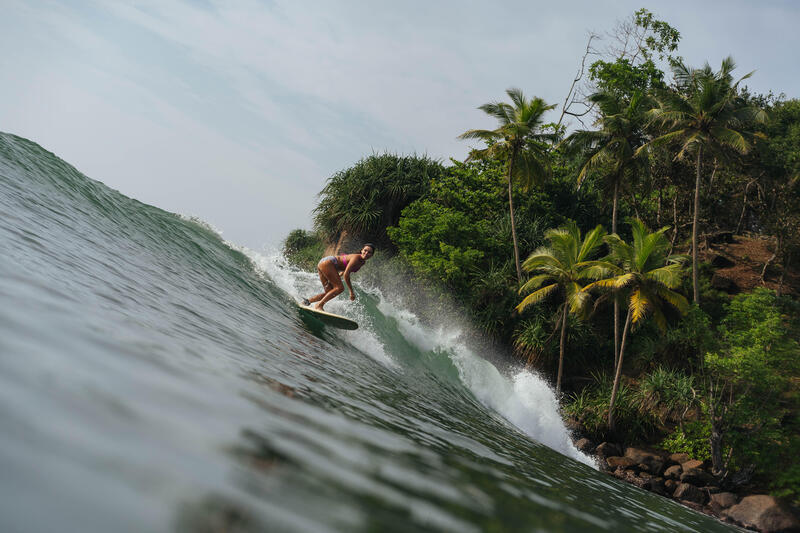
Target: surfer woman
329,268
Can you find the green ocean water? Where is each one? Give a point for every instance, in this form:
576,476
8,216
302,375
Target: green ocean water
155,378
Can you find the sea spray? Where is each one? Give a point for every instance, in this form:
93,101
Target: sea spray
524,399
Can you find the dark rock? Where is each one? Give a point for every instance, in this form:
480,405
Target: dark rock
673,472
720,261
695,476
650,461
763,513
679,458
689,493
712,489
670,485
584,445
575,426
721,283
693,505
691,464
630,476
722,500
658,486
615,462
608,449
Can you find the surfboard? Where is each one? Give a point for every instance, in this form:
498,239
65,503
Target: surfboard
327,318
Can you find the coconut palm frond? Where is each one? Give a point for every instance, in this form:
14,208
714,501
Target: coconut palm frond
536,296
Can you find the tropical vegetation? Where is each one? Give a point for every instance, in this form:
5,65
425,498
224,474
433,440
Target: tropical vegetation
516,236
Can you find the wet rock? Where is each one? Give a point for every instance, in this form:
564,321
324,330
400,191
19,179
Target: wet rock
649,461
657,485
584,445
670,485
695,476
629,476
689,493
679,458
763,513
615,462
673,472
722,500
694,463
608,449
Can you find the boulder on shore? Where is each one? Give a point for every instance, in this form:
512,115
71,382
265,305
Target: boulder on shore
584,445
624,462
673,472
722,500
608,449
763,513
694,463
649,461
689,493
679,458
695,476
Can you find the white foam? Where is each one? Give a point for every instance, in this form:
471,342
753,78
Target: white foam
300,284
523,399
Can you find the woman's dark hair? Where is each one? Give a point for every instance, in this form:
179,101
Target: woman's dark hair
370,245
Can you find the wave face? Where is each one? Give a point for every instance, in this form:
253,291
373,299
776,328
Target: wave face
154,378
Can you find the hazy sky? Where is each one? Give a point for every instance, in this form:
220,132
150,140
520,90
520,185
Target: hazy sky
238,111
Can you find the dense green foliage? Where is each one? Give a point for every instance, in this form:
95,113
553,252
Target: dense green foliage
366,198
303,248
718,379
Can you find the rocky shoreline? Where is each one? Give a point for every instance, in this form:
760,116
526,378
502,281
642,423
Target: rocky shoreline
689,482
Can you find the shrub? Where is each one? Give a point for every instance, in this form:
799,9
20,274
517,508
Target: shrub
303,249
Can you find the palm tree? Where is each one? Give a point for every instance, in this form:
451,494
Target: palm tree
703,114
564,265
518,140
647,277
612,150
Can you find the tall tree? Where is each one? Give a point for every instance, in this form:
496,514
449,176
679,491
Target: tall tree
647,276
520,142
611,152
564,265
704,115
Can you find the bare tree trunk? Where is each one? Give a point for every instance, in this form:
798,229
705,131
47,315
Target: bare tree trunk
561,349
771,259
783,274
674,222
616,302
618,373
695,266
658,208
511,212
744,209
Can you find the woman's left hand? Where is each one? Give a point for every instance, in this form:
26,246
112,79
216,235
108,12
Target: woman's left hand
352,296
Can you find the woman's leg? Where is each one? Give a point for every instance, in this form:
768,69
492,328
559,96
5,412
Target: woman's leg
326,286
334,286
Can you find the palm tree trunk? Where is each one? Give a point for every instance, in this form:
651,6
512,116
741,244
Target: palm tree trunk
511,212
616,302
695,268
561,350
618,373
